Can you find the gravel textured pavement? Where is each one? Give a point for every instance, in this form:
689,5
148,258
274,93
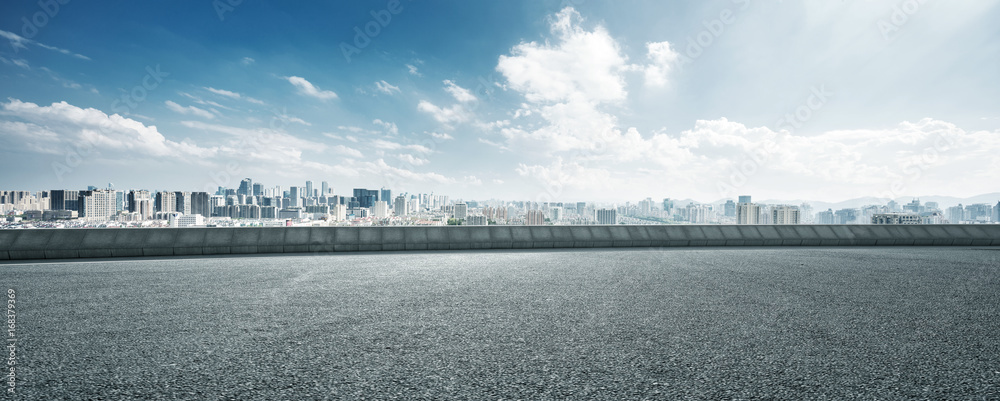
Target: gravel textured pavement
905,323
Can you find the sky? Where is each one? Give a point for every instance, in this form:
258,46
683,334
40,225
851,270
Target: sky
531,100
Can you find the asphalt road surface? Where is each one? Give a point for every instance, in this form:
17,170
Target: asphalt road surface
902,323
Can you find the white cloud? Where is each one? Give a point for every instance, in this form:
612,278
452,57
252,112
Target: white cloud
62,125
413,70
18,62
308,89
411,159
232,95
17,41
346,151
461,94
389,127
579,65
441,136
247,60
447,115
188,110
662,59
386,87
389,145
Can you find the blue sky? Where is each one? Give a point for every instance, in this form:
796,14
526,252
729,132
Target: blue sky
541,100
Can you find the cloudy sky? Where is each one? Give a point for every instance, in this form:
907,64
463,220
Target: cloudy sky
564,100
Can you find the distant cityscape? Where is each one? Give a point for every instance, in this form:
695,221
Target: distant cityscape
254,204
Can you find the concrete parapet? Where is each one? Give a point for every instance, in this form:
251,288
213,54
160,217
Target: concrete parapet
134,242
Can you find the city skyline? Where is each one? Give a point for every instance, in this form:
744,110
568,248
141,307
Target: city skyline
540,101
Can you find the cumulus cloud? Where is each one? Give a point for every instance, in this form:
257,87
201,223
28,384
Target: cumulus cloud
578,64
62,125
441,136
188,110
662,60
413,70
459,93
308,89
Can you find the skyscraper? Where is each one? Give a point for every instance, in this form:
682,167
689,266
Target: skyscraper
325,188
309,189
366,197
400,206
385,194
745,199
246,187
729,209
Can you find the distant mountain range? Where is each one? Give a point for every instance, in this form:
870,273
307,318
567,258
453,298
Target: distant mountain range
943,201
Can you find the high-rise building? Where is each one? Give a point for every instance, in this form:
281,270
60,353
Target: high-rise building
295,197
141,202
258,190
783,214
365,197
183,200
668,206
97,205
956,214
399,206
61,199
996,213
385,194
645,206
534,218
556,212
380,209
746,212
606,216
461,210
324,188
309,190
166,202
201,204
826,217
745,199
729,209
246,187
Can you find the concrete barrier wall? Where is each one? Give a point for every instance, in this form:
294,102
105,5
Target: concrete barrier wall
135,242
